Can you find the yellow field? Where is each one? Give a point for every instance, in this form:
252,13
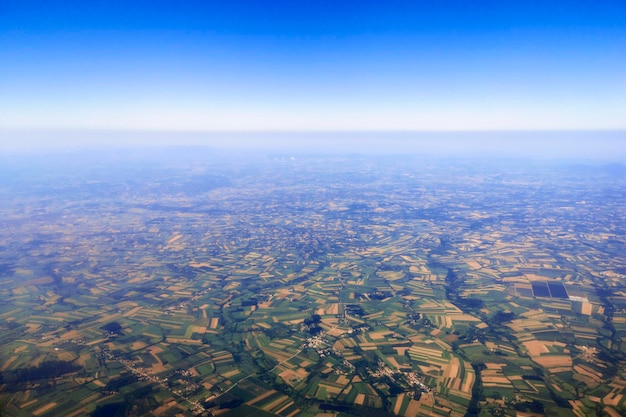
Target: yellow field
412,409
175,237
132,312
44,409
292,377
232,373
589,373
138,345
469,382
332,309
536,347
554,361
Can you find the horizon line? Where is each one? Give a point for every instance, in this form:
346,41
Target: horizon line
154,130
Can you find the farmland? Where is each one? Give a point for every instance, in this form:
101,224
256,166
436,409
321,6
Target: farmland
197,283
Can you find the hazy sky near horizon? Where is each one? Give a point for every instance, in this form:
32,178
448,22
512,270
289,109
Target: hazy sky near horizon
313,65
581,146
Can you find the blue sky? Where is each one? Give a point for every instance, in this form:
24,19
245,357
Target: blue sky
313,65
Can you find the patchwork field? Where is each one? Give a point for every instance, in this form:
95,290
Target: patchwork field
320,286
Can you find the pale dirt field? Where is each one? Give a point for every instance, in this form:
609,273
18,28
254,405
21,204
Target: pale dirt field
45,408
163,409
295,413
535,347
452,370
588,372
554,361
413,408
138,345
469,382
333,309
612,399
261,397
611,412
398,405
292,377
